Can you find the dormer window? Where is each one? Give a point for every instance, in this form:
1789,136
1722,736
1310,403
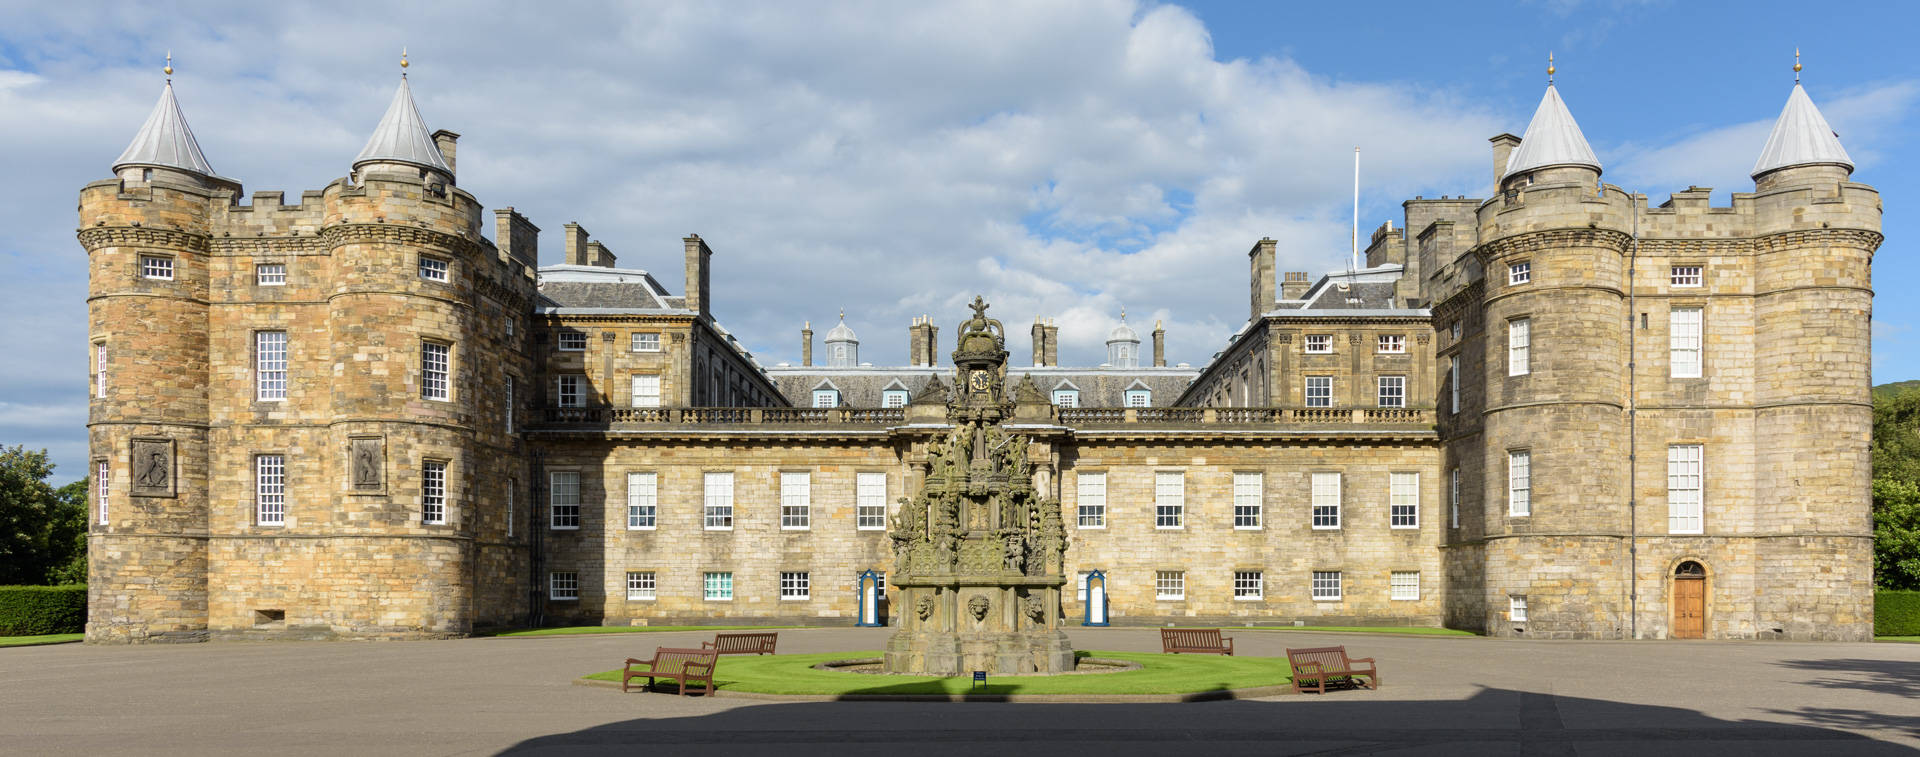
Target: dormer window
1066,397
893,398
826,398
1139,398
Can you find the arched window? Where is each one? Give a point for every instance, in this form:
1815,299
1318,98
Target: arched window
1689,569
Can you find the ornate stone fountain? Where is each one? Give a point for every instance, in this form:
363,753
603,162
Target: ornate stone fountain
979,552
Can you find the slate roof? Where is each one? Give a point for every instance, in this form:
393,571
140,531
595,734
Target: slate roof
581,288
861,387
1552,139
1801,137
1368,289
402,136
165,140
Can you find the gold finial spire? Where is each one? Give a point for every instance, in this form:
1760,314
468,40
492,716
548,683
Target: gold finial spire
1550,68
843,314
1796,65
168,70
1123,314
403,61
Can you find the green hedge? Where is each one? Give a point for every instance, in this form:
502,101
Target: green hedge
41,610
1896,613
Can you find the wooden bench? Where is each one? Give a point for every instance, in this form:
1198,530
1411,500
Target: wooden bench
742,643
1201,640
1329,665
683,666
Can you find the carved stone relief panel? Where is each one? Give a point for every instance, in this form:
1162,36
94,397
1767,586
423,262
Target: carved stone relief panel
153,467
367,463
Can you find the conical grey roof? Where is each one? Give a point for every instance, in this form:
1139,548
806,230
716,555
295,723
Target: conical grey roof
1552,139
164,140
402,136
841,333
1801,138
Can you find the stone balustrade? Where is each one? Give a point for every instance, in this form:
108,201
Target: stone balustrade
585,418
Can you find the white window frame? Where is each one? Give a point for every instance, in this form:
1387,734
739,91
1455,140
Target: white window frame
1249,500
435,269
1519,482
644,341
1403,586
1685,345
643,500
156,267
1249,585
795,586
1686,488
563,498
1453,499
717,501
1519,273
270,274
513,485
1326,586
1090,495
270,490
570,340
1139,398
103,486
433,492
1081,582
1325,395
1684,276
1517,608
1391,344
796,501
1453,380
570,390
563,585
100,370
717,586
1391,391
893,398
1519,346
1403,500
1169,585
1325,514
645,389
1169,500
512,325
870,501
436,371
506,406
270,366
642,586
1455,328
826,398
1319,344
1066,397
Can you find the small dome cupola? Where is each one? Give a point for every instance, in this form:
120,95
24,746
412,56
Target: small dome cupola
163,142
1552,139
402,143
1123,345
843,347
1801,136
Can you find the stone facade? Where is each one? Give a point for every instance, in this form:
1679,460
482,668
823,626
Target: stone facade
443,436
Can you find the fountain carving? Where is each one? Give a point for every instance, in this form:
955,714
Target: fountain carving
979,551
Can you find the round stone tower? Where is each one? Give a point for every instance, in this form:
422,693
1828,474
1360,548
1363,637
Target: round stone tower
1555,314
146,235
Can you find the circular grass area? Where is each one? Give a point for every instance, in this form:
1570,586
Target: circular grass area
794,674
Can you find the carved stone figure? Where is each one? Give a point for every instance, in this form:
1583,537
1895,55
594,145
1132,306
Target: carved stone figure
923,607
1035,609
977,606
367,456
153,467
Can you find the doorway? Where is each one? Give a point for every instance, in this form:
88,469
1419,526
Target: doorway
1689,601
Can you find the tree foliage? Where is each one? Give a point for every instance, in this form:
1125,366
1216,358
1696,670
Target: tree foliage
1896,488
43,531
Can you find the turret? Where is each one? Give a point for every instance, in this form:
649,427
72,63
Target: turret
843,347
1552,149
402,144
1802,148
1123,345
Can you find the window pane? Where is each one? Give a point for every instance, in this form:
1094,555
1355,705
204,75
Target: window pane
433,493
1684,342
1319,391
1092,495
640,585
270,489
870,501
1326,500
1404,500
572,390
1169,499
794,586
646,391
1393,391
719,586
796,500
1519,346
642,502
433,370
565,496
1248,492
1519,483
1169,584
1684,500
1405,584
1326,584
719,501
563,585
1248,584
270,365
270,274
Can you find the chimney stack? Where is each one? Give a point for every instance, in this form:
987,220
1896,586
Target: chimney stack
445,140
699,276
1159,346
1039,342
923,349
806,344
1053,343
516,236
598,254
576,238
1261,261
1295,286
1502,150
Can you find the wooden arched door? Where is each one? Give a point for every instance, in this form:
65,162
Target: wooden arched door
1689,601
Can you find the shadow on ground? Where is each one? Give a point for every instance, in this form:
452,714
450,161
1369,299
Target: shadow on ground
1493,721
1897,677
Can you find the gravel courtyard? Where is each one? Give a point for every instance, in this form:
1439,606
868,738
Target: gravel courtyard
515,696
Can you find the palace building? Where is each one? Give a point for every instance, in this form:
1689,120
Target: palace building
1559,412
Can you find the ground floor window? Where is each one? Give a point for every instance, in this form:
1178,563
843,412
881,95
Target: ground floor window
719,586
1517,608
1248,584
1326,585
640,584
1405,584
793,586
563,585
1169,584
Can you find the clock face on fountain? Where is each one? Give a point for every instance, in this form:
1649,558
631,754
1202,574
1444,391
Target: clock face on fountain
978,381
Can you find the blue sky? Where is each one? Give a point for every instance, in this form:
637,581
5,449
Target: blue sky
1066,158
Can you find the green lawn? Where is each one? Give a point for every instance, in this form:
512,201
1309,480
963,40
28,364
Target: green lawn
1160,674
1907,639
577,630
1413,630
34,641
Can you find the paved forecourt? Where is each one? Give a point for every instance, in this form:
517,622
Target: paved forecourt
486,696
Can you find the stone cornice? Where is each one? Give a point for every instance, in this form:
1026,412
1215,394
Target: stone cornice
276,245
138,236
1538,241
1787,240
349,233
